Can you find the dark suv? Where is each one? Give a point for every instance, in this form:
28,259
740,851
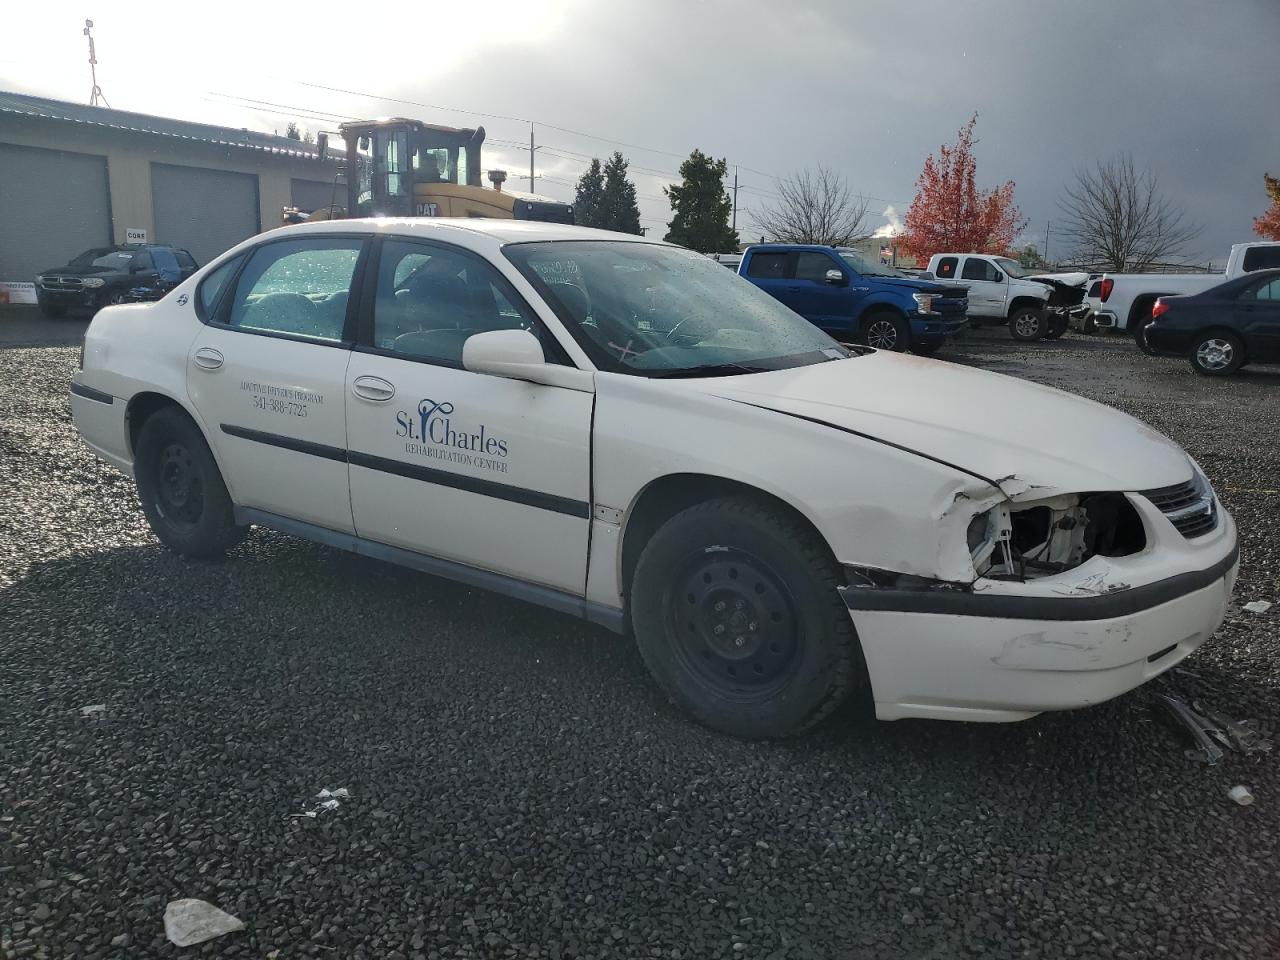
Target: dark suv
105,275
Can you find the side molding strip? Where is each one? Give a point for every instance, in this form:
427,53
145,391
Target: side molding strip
412,471
535,593
80,390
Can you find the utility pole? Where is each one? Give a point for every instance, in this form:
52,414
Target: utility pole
96,93
1047,224
735,198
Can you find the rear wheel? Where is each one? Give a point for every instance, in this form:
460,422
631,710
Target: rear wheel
1027,324
180,488
1216,353
1056,326
886,331
737,616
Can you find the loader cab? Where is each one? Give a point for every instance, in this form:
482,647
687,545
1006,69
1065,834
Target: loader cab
395,167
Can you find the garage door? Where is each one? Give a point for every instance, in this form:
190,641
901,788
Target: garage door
311,195
205,211
53,205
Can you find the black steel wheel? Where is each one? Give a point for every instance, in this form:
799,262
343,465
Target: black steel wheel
737,615
180,488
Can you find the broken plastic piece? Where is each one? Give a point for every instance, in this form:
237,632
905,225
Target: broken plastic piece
93,709
1241,795
340,792
188,922
1258,606
1205,749
1239,735
330,804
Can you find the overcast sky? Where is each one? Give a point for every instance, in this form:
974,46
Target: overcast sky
1190,87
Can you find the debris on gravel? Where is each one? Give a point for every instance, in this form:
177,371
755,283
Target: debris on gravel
520,788
189,922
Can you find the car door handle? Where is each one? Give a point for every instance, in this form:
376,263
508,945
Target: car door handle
208,358
373,388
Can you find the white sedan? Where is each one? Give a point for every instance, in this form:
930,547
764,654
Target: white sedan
626,431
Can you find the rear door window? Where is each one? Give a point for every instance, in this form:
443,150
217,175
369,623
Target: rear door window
946,268
768,266
298,287
1261,258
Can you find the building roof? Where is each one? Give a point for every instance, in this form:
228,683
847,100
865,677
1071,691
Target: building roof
31,106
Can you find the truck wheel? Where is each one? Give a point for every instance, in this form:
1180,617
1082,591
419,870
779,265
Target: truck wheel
181,491
1027,324
736,614
886,331
1056,326
1216,353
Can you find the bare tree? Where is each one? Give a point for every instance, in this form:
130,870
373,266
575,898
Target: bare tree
1117,217
815,208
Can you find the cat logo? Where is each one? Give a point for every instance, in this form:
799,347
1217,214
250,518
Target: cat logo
428,209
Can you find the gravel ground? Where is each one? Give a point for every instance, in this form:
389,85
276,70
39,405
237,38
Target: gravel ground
518,789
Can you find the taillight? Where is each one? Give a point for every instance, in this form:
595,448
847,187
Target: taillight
1106,288
1159,308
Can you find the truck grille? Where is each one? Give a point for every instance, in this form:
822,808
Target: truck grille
1190,506
62,283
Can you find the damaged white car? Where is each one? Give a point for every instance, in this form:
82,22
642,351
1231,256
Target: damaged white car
626,431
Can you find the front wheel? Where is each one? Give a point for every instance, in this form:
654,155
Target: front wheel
886,331
1217,353
1027,324
736,613
1056,326
180,488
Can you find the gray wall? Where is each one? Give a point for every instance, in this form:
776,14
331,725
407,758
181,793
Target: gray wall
53,205
204,211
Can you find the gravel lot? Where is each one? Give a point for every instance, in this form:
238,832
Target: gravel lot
518,788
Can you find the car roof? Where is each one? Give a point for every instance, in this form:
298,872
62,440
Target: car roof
504,231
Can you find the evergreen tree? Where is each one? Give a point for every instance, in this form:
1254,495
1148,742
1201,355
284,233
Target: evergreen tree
588,201
618,206
292,132
701,207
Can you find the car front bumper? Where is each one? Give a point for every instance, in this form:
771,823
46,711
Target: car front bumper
937,327
1008,651
81,297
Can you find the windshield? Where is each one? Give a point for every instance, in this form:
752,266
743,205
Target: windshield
651,310
1012,267
103,257
869,268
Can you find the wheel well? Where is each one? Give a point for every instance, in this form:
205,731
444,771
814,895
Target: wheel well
663,498
878,308
1142,307
1020,302
141,406
1205,331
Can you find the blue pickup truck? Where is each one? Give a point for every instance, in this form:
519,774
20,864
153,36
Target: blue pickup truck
857,300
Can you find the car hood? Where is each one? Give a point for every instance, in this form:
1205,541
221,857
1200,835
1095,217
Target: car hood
924,286
66,271
1016,434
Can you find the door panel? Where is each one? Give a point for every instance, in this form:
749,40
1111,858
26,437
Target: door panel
1259,317
823,304
987,296
481,470
274,405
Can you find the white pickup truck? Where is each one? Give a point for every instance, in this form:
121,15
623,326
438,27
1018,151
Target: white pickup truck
1125,299
1001,290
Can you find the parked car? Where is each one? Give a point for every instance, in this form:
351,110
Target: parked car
1001,290
107,275
1126,299
622,430
857,300
1223,328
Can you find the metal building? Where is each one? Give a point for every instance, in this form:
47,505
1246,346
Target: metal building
74,177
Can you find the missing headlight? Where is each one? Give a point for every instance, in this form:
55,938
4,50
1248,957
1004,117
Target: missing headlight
1026,541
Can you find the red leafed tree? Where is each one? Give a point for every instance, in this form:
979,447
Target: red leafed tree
950,214
1267,226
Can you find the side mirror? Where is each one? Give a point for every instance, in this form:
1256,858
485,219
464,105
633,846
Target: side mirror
835,278
517,355
999,277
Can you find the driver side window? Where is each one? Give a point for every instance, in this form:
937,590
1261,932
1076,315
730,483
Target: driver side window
430,299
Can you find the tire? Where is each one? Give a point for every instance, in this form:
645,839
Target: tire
1056,326
1216,353
1090,326
748,568
886,331
109,299
926,348
52,311
1027,324
180,488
